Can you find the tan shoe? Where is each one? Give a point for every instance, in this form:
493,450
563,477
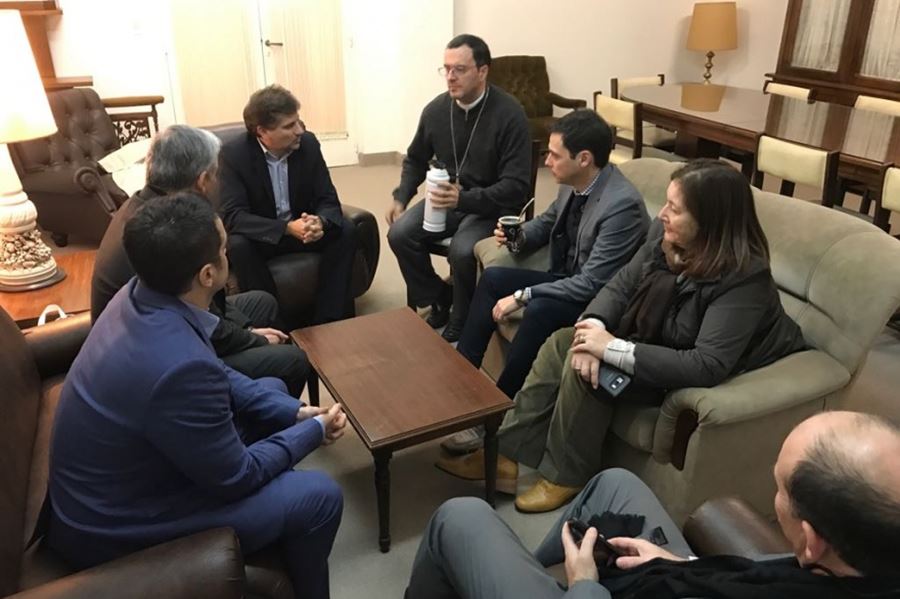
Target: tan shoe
471,467
545,496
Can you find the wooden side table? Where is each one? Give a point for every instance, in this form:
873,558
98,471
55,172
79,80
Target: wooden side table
72,294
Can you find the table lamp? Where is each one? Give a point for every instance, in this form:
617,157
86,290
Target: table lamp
25,261
713,27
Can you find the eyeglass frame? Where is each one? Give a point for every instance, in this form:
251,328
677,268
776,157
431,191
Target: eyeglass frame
458,69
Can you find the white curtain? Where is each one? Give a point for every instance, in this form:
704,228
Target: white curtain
882,56
820,34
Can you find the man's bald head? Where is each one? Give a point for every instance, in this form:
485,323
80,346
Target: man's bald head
841,474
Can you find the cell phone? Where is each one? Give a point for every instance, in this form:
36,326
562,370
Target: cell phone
613,380
604,553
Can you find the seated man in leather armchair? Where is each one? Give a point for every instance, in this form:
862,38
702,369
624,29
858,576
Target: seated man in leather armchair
838,506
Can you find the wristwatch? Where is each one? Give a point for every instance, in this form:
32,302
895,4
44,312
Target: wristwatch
522,296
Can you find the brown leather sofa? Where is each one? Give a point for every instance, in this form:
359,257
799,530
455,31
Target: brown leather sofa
525,77
296,275
209,564
60,174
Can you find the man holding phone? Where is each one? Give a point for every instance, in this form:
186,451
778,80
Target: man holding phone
837,503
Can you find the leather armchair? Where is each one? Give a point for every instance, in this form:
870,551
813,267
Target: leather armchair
525,77
296,275
723,440
33,364
60,174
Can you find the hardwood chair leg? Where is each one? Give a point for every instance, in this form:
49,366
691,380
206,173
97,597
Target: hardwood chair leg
787,188
866,203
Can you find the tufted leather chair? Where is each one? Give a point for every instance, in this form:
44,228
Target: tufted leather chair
60,173
525,77
296,275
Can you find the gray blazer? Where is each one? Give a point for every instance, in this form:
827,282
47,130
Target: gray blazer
612,228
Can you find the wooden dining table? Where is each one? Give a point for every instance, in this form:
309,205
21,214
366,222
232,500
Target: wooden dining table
708,117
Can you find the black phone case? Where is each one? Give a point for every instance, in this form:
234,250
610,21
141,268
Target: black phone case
613,380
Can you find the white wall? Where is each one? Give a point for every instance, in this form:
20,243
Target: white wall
586,42
396,45
122,44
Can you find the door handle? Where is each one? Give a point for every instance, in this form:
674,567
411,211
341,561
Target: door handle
269,43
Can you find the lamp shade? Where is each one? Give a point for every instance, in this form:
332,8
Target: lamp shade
713,27
24,110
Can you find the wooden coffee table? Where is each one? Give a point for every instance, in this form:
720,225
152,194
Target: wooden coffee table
400,385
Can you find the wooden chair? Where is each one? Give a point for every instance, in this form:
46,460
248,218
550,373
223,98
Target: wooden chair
796,163
791,91
874,104
625,117
653,135
889,199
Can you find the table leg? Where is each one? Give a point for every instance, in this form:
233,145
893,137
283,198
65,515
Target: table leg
490,458
383,498
312,384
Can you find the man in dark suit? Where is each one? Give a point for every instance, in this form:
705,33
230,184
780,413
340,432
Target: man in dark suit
155,438
277,198
183,158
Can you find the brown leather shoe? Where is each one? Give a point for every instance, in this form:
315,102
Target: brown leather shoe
545,496
471,467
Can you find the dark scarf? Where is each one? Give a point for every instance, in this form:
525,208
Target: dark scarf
728,577
644,315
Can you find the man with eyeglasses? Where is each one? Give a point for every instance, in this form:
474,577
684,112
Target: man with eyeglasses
480,134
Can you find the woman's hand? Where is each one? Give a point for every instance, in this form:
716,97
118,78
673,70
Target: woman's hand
591,339
636,552
588,366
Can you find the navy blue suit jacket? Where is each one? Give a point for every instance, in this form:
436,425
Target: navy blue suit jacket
149,425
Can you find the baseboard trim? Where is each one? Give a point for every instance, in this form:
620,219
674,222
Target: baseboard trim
380,158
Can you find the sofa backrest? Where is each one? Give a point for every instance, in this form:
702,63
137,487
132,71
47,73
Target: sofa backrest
838,276
19,406
85,133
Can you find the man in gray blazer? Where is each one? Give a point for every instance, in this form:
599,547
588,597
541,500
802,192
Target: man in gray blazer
594,227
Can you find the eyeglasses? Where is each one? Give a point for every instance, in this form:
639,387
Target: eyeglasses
458,70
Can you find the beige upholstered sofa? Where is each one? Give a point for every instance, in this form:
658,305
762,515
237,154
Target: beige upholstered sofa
840,281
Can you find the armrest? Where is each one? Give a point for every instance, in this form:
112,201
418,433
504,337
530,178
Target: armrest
728,526
562,102
788,382
90,181
55,344
368,241
207,564
488,253
130,101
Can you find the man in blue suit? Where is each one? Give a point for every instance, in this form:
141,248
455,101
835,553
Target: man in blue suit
155,438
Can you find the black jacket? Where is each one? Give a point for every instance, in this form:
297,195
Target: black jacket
112,270
246,196
714,329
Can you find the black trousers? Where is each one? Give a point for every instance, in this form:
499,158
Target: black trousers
285,361
409,240
543,316
338,248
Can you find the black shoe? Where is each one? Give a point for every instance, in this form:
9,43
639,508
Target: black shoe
440,310
452,332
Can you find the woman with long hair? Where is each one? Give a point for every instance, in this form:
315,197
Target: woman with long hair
696,305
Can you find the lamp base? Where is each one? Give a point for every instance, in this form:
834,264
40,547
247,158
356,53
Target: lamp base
709,65
57,276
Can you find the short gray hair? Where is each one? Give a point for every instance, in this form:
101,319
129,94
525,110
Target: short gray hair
179,155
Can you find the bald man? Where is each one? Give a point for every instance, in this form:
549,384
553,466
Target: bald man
838,505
